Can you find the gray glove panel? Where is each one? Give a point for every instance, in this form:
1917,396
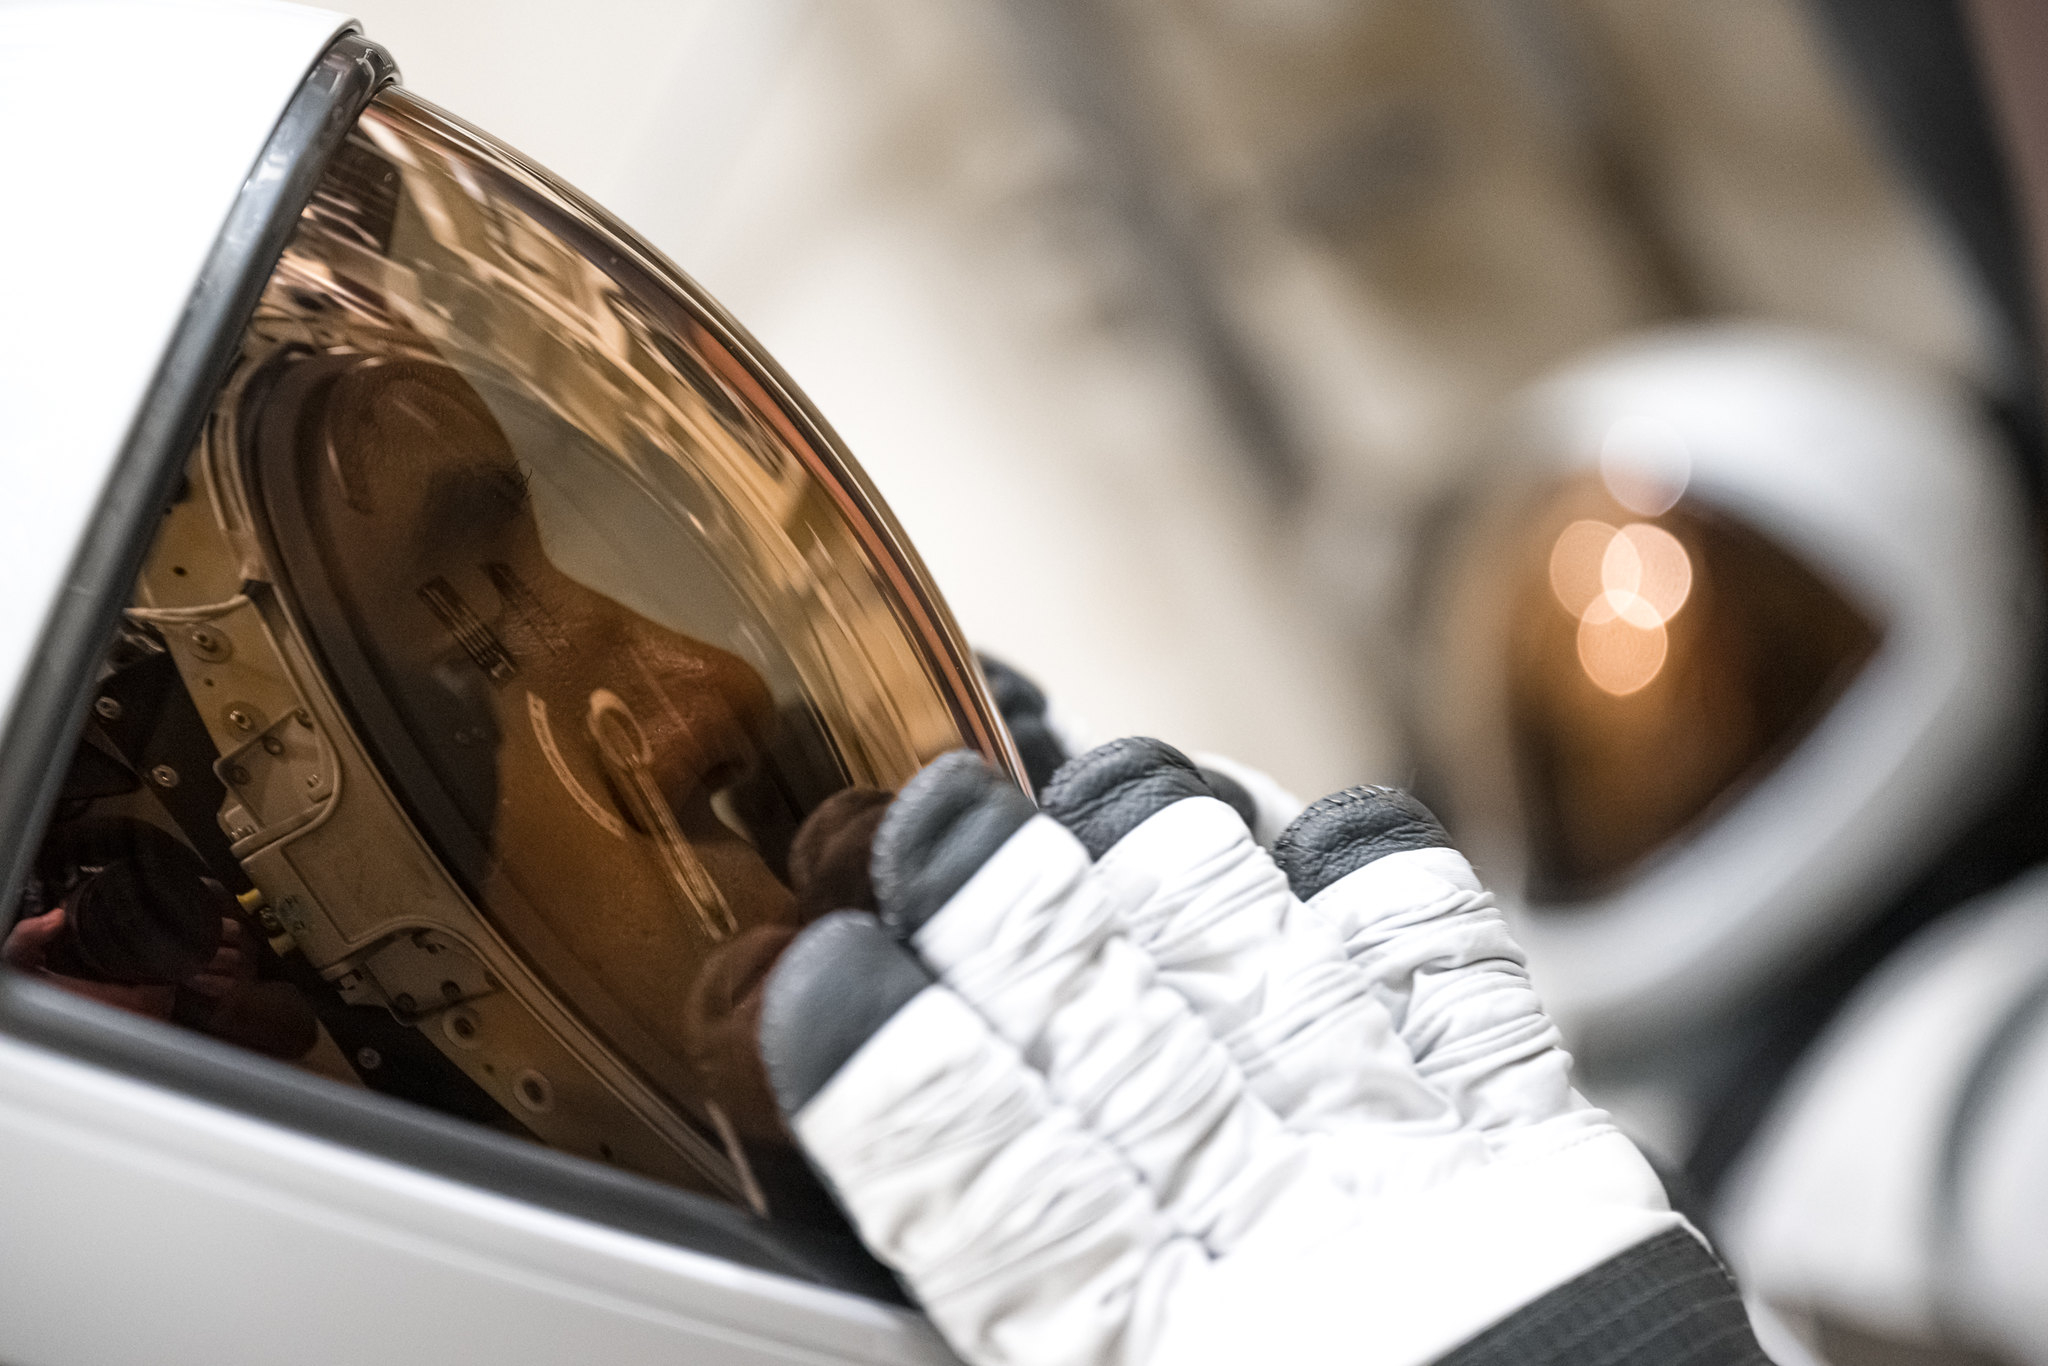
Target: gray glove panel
947,822
841,980
1112,789
1342,833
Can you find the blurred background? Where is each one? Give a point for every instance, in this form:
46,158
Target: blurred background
1162,326
1613,418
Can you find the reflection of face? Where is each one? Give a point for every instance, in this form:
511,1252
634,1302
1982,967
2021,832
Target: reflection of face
514,680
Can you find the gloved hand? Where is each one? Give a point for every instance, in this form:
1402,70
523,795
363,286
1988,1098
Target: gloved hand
1108,1083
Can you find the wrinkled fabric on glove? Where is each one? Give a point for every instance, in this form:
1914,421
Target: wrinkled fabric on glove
1108,1082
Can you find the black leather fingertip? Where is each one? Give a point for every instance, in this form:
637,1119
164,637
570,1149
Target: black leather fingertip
837,983
1015,695
1341,834
1232,794
948,821
1114,788
1023,707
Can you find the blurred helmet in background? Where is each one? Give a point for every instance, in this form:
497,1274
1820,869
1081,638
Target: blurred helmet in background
1739,635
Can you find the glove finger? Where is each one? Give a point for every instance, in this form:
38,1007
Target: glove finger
1001,904
1414,918
1024,1235
1024,711
1191,887
1113,789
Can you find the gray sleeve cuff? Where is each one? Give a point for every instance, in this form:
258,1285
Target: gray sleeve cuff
1665,1302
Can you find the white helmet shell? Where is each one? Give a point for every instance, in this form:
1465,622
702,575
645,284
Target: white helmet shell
119,194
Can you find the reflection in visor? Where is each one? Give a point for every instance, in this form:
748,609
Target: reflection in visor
518,671
1655,668
606,828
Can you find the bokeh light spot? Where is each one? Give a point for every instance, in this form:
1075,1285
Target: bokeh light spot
1576,564
1661,572
1618,654
1623,586
1645,464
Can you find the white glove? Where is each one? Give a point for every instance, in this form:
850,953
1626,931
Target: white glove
1153,1107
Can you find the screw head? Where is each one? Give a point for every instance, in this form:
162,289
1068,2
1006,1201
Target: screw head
108,709
238,775
534,1091
368,1058
163,775
240,719
312,780
463,1028
210,644
272,745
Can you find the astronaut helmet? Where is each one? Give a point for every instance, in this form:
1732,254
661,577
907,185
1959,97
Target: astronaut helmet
1739,635
446,653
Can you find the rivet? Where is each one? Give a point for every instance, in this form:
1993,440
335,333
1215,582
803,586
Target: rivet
272,745
240,719
163,775
368,1058
108,709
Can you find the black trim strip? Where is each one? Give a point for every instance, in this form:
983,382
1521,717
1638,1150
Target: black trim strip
34,746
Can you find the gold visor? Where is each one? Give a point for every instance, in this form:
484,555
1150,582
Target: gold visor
521,666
